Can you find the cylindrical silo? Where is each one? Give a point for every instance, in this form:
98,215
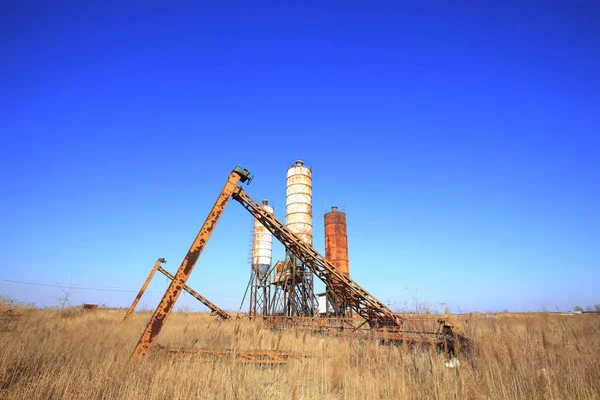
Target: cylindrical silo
336,240
298,207
262,248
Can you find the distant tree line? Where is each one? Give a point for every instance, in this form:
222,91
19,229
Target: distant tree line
587,308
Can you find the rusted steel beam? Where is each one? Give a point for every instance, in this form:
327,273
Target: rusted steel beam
143,289
433,330
187,265
242,356
219,312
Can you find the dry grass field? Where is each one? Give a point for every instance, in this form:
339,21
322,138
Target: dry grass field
84,355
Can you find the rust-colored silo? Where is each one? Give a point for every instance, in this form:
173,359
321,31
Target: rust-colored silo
336,240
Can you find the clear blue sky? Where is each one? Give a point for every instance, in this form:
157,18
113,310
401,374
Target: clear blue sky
461,139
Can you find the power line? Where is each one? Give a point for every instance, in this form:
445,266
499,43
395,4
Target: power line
31,281
69,285
98,288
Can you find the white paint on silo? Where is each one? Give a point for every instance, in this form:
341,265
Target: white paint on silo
298,205
262,248
322,301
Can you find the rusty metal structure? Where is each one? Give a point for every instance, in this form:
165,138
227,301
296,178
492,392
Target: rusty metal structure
143,289
418,329
214,309
367,310
362,302
184,271
336,251
241,356
292,282
390,326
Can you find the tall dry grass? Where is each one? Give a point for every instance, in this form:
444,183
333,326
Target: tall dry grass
85,355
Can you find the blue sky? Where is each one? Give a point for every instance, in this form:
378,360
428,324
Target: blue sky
461,140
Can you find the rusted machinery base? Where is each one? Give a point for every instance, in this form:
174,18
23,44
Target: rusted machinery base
241,356
419,330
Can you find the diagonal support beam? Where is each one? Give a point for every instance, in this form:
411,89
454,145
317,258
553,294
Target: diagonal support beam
143,289
173,292
221,313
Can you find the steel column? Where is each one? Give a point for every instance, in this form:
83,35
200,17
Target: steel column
143,289
221,313
187,265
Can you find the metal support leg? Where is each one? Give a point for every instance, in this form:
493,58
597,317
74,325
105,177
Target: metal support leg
187,265
143,289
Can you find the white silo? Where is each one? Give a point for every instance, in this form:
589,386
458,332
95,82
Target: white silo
298,207
262,248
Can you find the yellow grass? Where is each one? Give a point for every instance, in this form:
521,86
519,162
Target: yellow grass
85,355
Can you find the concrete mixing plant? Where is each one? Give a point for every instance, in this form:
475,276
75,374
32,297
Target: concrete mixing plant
292,302
287,288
